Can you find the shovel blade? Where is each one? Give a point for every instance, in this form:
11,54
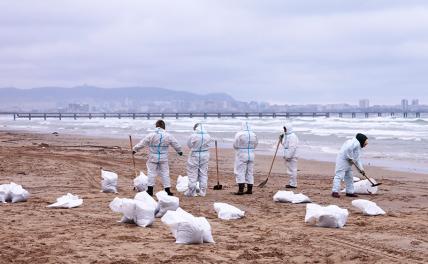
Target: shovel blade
218,187
377,184
263,183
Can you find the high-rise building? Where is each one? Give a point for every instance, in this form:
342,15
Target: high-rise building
364,103
415,102
404,104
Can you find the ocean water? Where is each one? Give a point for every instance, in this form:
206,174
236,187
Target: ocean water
396,143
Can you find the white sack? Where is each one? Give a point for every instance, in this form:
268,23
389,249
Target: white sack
328,216
368,207
290,197
67,201
13,192
146,199
186,228
165,203
182,183
364,187
355,179
228,212
134,211
141,182
109,181
5,193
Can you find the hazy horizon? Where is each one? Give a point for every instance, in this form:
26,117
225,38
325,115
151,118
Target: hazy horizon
296,52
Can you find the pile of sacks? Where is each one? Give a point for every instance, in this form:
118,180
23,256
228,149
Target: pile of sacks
109,181
67,201
228,212
143,209
13,193
188,229
290,197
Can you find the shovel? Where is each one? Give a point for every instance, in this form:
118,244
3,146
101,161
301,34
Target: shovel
218,186
133,159
263,183
360,171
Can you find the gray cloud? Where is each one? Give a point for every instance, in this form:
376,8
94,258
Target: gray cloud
279,51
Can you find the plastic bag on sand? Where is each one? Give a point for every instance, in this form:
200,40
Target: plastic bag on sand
328,216
368,207
134,211
13,193
364,187
188,229
141,182
67,201
109,181
355,179
165,203
290,197
146,198
228,212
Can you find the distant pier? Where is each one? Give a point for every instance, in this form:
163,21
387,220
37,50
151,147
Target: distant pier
206,115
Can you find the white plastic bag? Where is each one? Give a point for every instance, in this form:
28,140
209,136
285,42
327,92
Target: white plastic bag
109,181
186,228
368,207
364,187
141,182
67,201
228,212
16,193
144,214
355,179
165,203
290,197
134,211
328,216
146,198
182,183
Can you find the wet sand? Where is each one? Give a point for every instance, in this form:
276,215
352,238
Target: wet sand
49,166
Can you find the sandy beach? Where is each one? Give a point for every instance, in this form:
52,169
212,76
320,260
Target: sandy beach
49,166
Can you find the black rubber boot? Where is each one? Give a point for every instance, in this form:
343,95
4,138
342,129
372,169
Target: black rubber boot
150,190
169,192
241,187
249,189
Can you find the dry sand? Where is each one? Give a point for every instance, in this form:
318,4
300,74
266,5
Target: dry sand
270,232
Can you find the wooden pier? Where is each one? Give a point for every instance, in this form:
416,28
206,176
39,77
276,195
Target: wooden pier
206,115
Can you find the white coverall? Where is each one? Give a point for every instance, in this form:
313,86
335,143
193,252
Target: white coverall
245,144
157,163
349,152
290,142
197,163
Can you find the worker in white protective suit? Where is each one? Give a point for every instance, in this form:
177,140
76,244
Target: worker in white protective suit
245,143
349,154
157,163
290,141
197,163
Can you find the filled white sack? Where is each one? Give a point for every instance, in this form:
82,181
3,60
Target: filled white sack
165,203
228,212
109,181
182,183
368,207
146,198
326,216
364,187
67,201
355,179
186,228
141,182
290,197
134,211
13,192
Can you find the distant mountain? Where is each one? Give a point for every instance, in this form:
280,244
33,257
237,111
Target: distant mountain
131,98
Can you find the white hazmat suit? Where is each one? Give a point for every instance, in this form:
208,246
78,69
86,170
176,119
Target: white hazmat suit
197,163
350,152
290,143
245,143
157,163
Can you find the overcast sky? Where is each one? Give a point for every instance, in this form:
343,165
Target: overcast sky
302,51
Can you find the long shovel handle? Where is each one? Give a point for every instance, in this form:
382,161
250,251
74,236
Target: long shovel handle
216,161
263,183
133,158
361,172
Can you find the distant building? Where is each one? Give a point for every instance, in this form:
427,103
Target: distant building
404,104
415,102
77,108
364,103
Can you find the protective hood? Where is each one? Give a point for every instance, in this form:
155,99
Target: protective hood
245,126
200,129
289,127
361,138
